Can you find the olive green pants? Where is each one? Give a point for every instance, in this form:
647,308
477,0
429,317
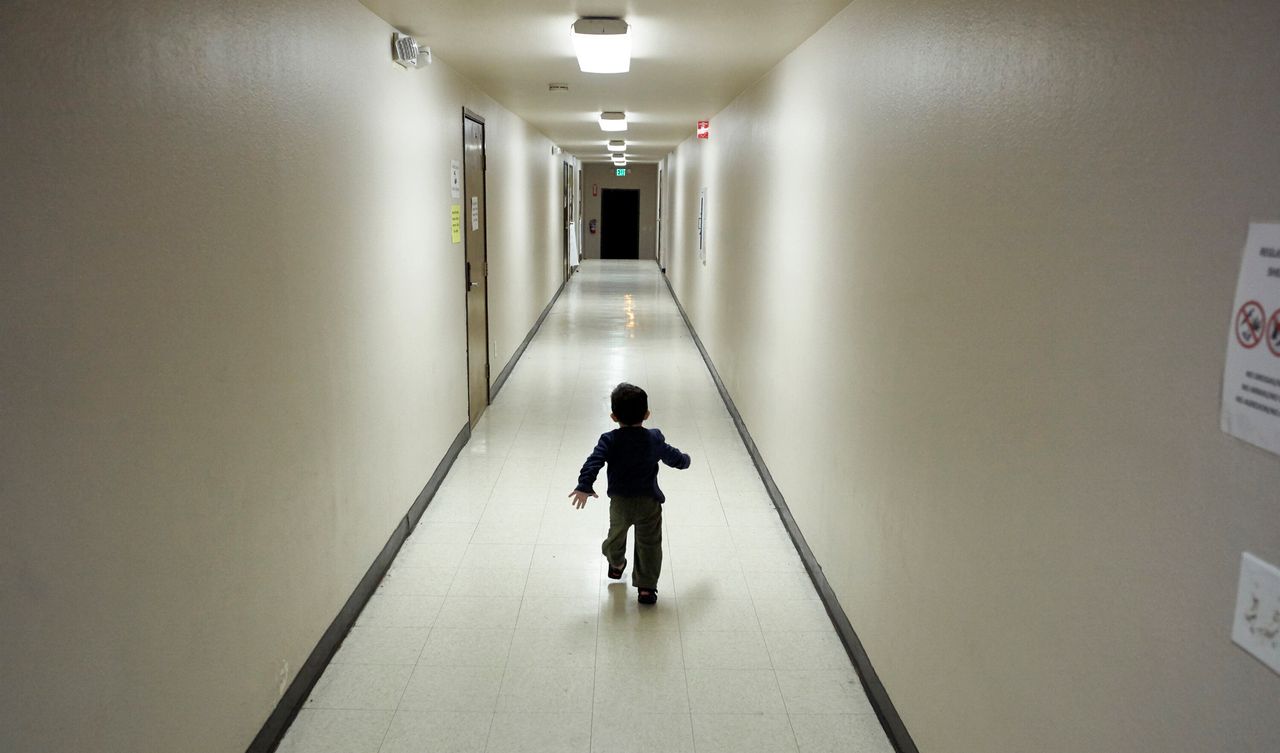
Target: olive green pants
645,513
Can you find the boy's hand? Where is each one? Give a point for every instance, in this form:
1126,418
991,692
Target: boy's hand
580,498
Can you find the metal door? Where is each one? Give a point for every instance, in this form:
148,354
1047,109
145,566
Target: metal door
477,265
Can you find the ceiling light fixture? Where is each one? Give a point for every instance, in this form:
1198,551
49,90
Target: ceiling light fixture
613,121
603,45
617,146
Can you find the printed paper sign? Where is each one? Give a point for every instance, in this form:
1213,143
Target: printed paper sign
1251,379
455,222
455,179
475,213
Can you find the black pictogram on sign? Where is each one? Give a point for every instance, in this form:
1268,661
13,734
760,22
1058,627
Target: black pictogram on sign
1249,321
1273,334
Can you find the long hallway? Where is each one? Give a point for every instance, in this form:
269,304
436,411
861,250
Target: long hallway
496,629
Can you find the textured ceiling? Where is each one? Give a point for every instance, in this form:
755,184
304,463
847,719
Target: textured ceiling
690,58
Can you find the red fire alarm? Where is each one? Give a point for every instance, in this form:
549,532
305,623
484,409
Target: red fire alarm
704,129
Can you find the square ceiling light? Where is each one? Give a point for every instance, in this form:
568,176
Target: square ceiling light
613,121
617,145
603,45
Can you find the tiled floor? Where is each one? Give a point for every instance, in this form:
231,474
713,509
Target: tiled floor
496,629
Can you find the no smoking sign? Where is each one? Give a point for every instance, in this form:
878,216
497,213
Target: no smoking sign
1249,324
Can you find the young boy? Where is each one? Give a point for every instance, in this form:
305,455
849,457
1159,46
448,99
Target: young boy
632,453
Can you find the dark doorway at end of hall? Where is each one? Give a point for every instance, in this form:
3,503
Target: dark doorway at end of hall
620,223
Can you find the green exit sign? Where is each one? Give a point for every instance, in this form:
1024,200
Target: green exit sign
622,172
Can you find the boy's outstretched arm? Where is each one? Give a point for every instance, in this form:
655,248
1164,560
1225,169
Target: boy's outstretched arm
673,457
587,477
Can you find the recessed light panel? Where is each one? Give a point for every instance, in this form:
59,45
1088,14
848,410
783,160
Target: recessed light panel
603,45
613,121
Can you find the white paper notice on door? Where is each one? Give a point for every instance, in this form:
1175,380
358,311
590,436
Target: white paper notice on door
475,213
1251,379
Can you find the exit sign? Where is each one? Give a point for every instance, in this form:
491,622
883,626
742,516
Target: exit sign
622,172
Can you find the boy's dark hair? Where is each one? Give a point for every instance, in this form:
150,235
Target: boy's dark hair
629,404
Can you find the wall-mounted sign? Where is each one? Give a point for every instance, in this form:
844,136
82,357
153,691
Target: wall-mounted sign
455,222
455,179
622,172
1251,378
704,129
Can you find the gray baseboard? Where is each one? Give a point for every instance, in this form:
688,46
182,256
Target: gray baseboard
515,358
295,696
876,693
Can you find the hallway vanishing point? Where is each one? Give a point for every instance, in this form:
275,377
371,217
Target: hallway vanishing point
496,629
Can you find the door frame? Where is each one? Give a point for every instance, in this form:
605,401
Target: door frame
639,195
566,171
468,114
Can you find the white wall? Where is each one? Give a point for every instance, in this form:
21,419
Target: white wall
969,279
233,345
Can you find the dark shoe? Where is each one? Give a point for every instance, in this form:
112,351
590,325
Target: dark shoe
615,573
648,595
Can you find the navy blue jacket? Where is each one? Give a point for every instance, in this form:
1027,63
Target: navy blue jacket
632,453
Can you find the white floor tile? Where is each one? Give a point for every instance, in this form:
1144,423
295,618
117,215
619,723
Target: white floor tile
717,615
360,686
336,731
645,649
468,689
779,585
578,582
437,732
790,650
640,690
479,612
557,612
492,582
466,647
734,691
829,733
399,610
547,689
570,646
823,691
381,645
524,732
416,581
625,732
725,650
490,556
782,615
737,733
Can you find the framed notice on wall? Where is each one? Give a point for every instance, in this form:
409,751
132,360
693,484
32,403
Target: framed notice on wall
1251,378
702,226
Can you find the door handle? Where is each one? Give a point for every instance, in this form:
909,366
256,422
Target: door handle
473,286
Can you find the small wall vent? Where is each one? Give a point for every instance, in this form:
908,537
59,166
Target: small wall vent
557,87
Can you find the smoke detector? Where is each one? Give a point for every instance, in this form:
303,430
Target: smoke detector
406,51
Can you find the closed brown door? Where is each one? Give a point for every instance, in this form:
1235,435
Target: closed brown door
477,268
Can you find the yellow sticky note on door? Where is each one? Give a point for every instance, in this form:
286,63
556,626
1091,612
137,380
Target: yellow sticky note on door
455,221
